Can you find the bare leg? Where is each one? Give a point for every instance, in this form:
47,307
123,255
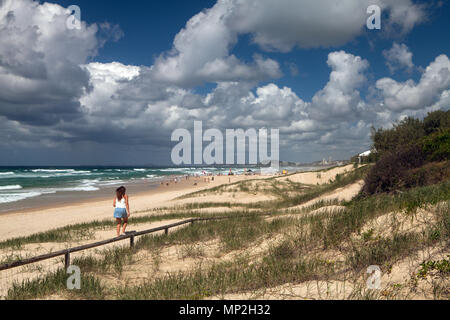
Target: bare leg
125,224
119,222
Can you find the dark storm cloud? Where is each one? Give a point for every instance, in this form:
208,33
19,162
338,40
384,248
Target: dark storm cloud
40,73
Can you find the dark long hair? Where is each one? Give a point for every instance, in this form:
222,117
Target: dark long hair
120,192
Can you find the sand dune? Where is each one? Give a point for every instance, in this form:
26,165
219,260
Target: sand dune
175,257
315,178
342,194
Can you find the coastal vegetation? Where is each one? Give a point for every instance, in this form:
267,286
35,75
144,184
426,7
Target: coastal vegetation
296,240
412,153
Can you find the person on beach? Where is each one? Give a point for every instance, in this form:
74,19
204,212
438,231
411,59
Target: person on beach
121,210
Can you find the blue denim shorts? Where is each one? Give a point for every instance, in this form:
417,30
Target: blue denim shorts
120,213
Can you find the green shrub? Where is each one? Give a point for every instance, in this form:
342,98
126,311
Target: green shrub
410,131
436,121
442,266
404,133
390,170
428,174
437,146
404,149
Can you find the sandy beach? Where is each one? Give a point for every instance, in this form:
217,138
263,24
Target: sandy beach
22,223
30,221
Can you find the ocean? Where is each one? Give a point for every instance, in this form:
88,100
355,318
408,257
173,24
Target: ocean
25,187
18,184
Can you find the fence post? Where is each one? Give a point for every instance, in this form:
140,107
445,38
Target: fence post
132,241
166,231
67,259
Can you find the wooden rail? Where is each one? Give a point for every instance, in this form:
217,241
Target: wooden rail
131,235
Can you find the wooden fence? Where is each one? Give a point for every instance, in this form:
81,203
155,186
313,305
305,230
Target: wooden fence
130,235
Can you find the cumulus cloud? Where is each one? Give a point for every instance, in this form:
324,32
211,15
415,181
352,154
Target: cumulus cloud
272,103
201,51
398,57
283,24
106,79
340,97
408,95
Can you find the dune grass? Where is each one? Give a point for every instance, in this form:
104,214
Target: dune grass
85,231
295,260
287,262
55,284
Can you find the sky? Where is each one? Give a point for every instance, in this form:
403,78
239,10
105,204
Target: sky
113,91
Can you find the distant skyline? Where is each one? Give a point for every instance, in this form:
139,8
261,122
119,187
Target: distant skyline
112,92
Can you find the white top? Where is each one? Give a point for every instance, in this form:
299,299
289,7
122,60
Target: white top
121,204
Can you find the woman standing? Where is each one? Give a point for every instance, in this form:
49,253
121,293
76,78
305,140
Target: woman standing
121,210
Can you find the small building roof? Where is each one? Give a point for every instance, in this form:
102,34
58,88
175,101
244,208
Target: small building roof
365,154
